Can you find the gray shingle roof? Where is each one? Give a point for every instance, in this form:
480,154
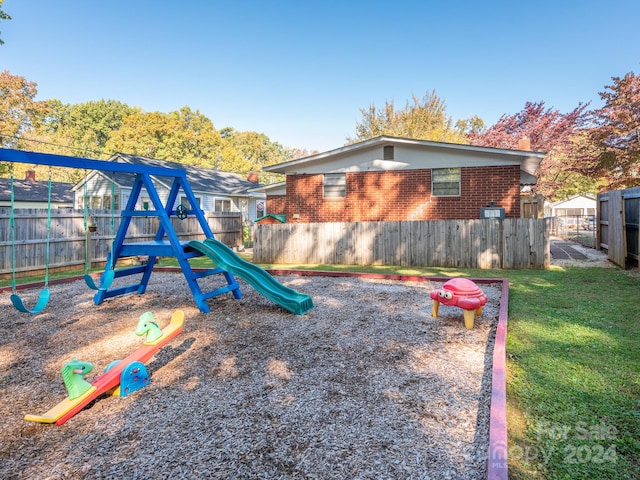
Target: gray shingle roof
26,191
200,179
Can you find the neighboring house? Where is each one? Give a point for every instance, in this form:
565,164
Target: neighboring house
576,205
572,211
394,179
32,193
216,191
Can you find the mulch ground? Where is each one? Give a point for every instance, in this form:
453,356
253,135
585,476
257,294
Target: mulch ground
366,385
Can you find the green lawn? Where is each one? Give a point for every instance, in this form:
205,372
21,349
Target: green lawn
573,368
574,374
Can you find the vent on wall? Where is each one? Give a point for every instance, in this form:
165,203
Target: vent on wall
387,154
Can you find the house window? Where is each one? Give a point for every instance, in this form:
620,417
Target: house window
445,182
570,212
387,153
222,205
335,185
106,202
570,217
185,202
259,209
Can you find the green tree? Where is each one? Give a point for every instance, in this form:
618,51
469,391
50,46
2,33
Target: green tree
3,16
472,125
142,133
83,127
97,129
250,151
18,108
20,114
423,119
181,136
198,142
296,153
18,111
256,149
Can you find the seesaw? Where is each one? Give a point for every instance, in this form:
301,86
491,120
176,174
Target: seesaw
120,377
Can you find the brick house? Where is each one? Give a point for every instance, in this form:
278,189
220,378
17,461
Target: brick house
394,179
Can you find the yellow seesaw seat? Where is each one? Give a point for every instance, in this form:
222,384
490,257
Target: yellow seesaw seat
53,415
110,379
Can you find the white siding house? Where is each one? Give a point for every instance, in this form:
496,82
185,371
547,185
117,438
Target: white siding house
216,191
572,212
578,205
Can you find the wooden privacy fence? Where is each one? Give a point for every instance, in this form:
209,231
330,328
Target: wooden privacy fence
486,244
618,225
67,242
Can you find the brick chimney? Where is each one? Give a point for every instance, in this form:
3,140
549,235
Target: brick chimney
524,144
30,176
253,177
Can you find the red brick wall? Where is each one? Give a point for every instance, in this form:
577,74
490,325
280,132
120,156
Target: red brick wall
276,204
400,195
269,221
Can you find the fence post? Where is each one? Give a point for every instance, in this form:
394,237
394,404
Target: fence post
501,242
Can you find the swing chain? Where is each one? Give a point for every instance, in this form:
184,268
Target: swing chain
43,297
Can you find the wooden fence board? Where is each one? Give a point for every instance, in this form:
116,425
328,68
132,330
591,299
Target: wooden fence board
337,245
303,248
279,243
470,254
439,243
486,245
416,241
616,242
520,244
631,199
618,225
491,243
508,247
378,249
67,236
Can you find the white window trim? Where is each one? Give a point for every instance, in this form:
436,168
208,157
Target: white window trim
184,197
334,180
459,182
223,199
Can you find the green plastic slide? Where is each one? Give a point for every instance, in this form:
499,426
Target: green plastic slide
261,280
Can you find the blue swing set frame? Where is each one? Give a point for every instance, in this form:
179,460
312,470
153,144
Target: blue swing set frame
166,242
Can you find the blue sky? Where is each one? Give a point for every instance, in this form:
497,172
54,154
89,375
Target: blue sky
300,71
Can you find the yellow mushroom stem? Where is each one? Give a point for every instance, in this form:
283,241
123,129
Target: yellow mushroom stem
469,317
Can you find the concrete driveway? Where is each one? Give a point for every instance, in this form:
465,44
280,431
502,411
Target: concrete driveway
569,253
